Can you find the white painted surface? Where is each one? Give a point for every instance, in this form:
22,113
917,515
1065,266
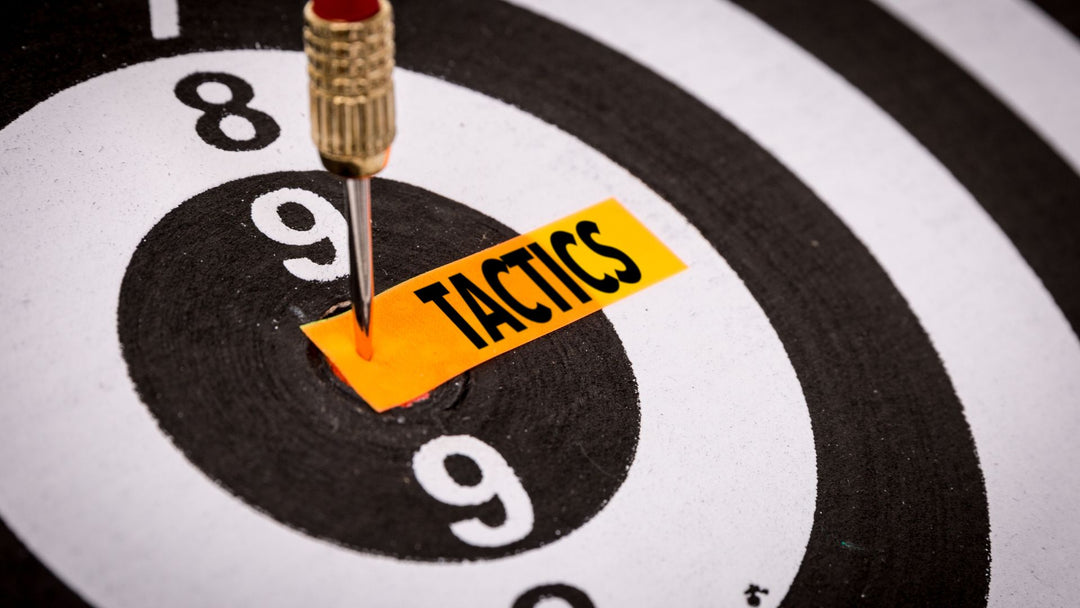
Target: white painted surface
722,489
1012,357
164,19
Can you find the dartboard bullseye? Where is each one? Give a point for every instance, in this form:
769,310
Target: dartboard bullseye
550,429
860,391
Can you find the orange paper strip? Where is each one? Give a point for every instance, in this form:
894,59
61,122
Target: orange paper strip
435,326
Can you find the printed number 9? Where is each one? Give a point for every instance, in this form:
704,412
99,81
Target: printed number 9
329,224
497,481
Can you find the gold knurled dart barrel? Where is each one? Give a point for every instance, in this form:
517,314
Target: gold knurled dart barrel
352,91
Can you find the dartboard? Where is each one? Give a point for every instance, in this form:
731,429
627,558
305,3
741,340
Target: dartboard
864,388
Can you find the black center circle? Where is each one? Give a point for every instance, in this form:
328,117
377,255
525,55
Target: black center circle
209,320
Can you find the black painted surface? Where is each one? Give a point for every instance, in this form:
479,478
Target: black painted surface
1065,12
572,596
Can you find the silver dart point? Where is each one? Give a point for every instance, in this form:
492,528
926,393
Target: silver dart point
361,268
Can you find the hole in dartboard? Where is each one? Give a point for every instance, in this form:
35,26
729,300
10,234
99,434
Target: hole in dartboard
529,445
444,396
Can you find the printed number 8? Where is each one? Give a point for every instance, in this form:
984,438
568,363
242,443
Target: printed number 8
209,124
497,481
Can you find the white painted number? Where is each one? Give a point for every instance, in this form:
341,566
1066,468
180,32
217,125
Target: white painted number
497,481
164,19
329,224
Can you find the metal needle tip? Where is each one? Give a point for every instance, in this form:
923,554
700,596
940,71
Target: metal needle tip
361,284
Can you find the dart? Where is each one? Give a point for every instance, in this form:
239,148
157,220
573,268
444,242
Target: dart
350,51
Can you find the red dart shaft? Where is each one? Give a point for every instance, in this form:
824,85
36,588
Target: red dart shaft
345,10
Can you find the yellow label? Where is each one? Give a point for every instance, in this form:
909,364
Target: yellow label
435,326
